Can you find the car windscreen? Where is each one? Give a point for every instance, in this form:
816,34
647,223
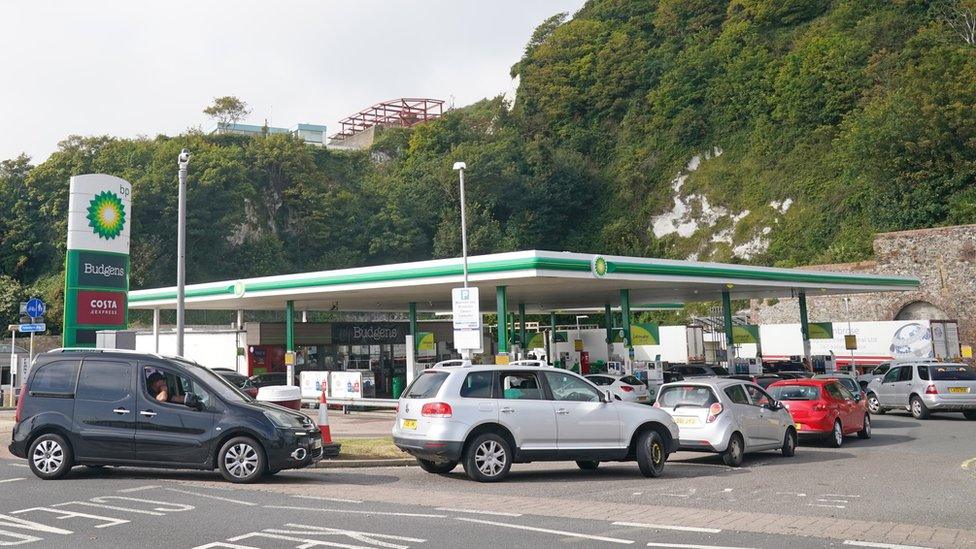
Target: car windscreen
951,372
215,382
794,392
696,396
852,386
720,371
631,380
426,385
599,380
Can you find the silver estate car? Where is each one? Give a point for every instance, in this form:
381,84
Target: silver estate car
727,416
925,388
489,417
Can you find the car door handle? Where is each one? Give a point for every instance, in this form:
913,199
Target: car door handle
120,411
507,410
147,413
562,411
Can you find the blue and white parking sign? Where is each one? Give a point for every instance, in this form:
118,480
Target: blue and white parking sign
35,308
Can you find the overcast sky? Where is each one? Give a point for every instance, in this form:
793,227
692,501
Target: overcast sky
130,68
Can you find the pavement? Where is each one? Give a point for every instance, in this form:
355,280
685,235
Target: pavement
912,484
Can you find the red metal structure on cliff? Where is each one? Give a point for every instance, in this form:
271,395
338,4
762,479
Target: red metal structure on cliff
405,111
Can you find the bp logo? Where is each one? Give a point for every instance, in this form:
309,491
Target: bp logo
599,266
106,215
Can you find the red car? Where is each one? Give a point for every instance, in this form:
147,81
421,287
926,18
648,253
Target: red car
823,408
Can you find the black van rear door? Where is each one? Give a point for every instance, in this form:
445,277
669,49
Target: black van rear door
104,415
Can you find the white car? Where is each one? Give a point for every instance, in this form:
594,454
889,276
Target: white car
489,417
627,388
729,416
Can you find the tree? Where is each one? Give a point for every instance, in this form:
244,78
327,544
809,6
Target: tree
227,110
958,17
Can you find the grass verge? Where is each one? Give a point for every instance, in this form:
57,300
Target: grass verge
369,448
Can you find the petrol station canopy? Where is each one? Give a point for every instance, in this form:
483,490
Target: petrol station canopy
543,281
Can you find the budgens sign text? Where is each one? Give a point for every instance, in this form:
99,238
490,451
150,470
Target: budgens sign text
97,277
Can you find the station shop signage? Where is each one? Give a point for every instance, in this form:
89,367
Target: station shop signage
640,334
369,333
97,263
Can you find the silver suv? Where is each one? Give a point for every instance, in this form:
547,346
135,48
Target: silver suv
924,388
488,417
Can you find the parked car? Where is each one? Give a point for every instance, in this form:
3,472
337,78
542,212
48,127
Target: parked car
271,378
488,417
627,388
240,381
762,380
729,416
99,407
823,408
850,382
881,369
689,370
924,389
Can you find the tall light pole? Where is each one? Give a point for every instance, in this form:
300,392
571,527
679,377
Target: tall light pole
182,161
847,310
460,167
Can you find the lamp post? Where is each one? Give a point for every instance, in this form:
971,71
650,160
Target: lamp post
847,310
460,167
182,162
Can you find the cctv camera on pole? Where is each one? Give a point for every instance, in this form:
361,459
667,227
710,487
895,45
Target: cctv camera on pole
182,161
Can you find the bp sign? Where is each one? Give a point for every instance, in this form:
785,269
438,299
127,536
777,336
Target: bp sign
97,277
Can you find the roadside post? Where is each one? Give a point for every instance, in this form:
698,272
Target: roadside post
466,306
8,398
35,308
182,162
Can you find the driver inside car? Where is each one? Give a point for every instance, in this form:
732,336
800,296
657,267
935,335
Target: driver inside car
156,383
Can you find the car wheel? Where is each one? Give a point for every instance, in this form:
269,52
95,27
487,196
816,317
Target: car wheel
732,456
588,465
651,453
970,415
241,460
918,408
874,405
437,467
49,457
789,443
836,439
865,432
488,458
271,472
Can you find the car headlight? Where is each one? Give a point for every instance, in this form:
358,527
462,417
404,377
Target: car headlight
283,420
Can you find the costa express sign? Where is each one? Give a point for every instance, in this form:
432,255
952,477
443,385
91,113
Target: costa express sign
101,308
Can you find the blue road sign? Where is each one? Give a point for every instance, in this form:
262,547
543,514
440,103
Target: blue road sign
35,308
31,328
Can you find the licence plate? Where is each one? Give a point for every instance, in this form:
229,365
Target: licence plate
410,424
316,444
798,426
686,420
958,389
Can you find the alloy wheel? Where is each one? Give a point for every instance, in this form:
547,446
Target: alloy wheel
490,458
867,425
873,404
241,460
838,433
48,456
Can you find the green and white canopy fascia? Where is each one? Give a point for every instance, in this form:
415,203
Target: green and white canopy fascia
543,281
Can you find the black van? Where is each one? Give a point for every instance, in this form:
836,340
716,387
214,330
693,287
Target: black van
97,407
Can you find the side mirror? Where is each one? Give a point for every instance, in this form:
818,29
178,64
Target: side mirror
857,397
192,400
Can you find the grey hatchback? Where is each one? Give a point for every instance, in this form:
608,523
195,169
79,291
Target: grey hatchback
924,389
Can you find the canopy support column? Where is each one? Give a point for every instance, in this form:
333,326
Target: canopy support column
727,316
290,342
552,339
625,314
805,330
501,303
156,330
411,343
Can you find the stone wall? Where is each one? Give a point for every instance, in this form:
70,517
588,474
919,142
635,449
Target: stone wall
942,258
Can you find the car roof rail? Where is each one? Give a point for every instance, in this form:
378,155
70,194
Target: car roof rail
101,350
529,362
464,363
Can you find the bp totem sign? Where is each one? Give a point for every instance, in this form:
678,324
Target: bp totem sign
97,267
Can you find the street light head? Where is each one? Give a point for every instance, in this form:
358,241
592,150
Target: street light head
184,158
460,166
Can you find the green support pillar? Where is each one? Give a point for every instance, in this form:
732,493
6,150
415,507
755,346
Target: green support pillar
727,315
511,328
501,301
625,315
608,320
522,340
805,329
290,326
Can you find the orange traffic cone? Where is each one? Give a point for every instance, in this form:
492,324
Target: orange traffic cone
324,419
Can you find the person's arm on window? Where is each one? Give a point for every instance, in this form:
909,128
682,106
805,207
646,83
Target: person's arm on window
163,396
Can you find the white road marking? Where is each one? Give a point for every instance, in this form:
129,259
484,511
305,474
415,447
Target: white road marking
355,511
727,490
477,512
209,496
138,489
674,495
107,521
692,546
338,500
832,500
825,505
881,545
797,494
669,527
15,522
840,496
12,479
547,531
366,537
18,465
112,507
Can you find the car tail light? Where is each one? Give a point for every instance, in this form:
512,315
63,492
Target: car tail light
626,388
820,407
436,409
713,411
931,390
20,402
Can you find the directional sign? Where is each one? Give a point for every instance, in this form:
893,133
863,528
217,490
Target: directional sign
31,328
35,308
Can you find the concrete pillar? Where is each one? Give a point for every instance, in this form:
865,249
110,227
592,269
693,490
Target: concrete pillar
240,319
412,343
290,341
523,344
156,330
501,302
552,339
805,329
727,316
